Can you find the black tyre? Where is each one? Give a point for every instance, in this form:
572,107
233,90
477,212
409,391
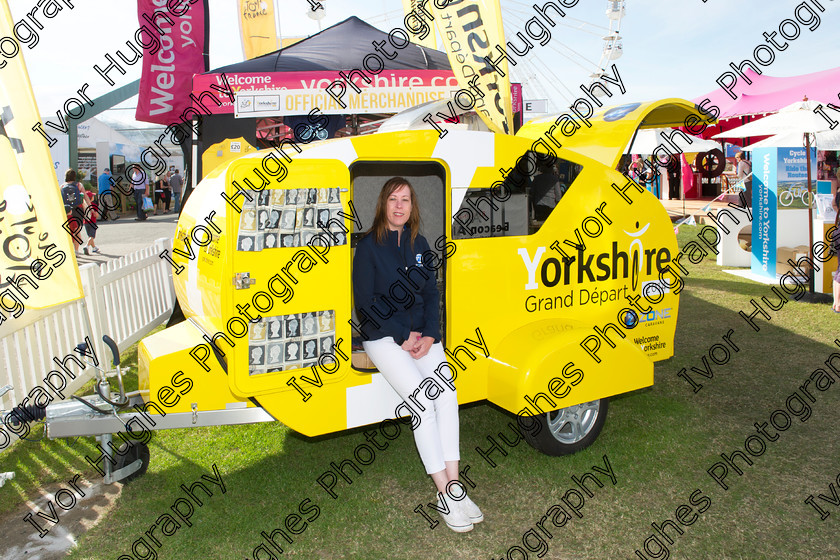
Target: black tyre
137,450
568,430
710,164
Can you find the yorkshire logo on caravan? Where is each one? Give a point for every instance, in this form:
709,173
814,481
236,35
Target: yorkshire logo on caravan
638,254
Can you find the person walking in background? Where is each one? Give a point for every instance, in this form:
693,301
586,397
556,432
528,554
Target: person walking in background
834,176
75,205
90,223
836,242
743,172
167,191
158,196
138,179
104,188
175,183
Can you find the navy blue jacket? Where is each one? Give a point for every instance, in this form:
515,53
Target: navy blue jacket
394,294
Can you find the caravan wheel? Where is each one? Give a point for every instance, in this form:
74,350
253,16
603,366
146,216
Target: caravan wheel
569,429
137,450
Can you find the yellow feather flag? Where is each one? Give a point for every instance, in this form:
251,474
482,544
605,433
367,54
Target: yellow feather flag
471,30
37,262
411,7
256,23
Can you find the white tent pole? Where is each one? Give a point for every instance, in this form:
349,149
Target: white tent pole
810,213
241,31
279,40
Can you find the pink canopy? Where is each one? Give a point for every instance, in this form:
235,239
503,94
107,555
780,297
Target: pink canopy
768,94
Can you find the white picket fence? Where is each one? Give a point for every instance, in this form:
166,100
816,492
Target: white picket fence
125,298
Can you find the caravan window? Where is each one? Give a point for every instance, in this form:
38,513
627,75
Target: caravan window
518,205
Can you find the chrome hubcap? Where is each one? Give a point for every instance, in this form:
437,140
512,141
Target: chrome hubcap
570,425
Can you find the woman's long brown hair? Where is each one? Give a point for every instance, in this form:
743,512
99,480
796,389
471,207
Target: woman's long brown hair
380,219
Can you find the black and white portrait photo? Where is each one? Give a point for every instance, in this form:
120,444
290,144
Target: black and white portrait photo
275,353
292,326
275,328
274,219
256,356
264,198
269,241
292,351
310,349
308,217
246,243
287,222
323,217
310,326
326,344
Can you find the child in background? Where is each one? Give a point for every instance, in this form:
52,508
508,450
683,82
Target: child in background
90,223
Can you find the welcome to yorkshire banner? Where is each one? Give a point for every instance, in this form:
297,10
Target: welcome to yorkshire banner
166,80
471,30
256,23
33,245
413,7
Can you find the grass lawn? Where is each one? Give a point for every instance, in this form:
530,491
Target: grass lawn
659,442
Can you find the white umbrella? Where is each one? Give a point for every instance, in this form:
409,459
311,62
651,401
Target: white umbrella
647,140
797,118
828,140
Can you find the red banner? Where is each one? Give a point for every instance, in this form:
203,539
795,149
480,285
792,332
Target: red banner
166,82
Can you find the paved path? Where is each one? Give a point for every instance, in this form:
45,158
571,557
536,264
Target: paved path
124,236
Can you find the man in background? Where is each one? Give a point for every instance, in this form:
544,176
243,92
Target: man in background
104,188
743,172
176,182
139,181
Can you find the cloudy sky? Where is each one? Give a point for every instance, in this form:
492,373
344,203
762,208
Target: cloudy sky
672,48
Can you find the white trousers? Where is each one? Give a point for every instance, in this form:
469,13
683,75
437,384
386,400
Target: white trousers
430,399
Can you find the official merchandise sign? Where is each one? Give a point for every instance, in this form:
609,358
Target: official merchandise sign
313,83
250,104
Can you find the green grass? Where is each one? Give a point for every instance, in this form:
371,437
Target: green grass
660,442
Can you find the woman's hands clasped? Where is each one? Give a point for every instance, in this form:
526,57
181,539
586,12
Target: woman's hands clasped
417,345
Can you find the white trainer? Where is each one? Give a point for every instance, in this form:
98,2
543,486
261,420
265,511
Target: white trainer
471,510
453,515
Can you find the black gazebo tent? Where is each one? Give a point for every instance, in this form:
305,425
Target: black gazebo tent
341,47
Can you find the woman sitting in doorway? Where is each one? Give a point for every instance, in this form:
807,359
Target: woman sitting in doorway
405,344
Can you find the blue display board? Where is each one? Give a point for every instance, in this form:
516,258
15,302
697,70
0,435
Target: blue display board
780,183
764,205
